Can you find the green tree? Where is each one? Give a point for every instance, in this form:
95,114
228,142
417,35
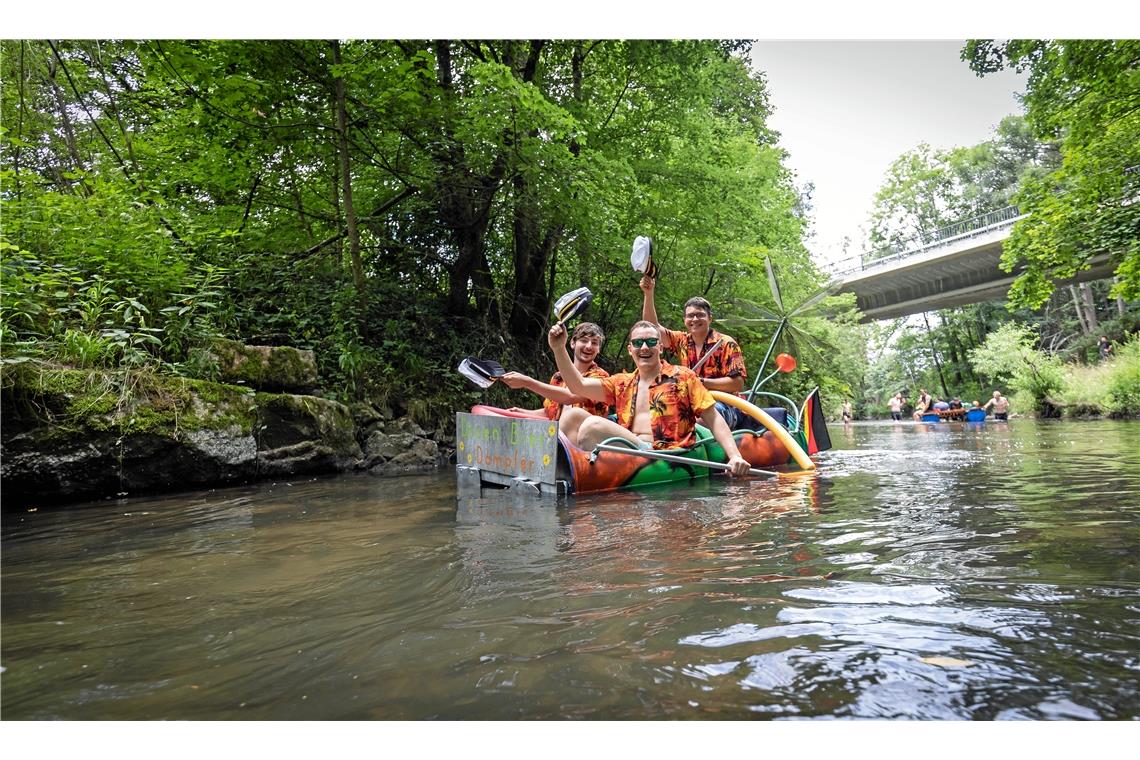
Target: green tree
391,203
1082,95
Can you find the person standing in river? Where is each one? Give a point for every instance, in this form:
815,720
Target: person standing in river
723,361
658,404
585,345
896,406
1000,404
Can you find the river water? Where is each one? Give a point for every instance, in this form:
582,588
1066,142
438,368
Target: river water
927,571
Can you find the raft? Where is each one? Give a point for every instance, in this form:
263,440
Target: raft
952,415
571,469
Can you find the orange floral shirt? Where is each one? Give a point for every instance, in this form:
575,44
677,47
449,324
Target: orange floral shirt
726,361
676,399
554,410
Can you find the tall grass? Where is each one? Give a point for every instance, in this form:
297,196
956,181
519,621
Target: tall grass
1111,388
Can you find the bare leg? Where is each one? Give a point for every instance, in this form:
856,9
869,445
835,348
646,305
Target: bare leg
596,429
572,419
587,430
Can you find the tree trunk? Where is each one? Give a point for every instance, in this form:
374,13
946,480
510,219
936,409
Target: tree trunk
533,250
17,183
533,245
1090,306
934,355
464,202
112,107
295,193
1080,312
955,359
346,180
65,121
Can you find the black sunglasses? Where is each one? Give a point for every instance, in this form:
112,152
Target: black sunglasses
643,342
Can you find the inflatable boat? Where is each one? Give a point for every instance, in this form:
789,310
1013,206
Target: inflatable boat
498,447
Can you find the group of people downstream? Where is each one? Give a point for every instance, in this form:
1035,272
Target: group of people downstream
926,405
656,406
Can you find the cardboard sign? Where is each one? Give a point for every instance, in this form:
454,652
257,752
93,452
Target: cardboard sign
511,446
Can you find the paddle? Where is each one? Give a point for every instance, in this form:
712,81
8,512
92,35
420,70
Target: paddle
650,454
705,358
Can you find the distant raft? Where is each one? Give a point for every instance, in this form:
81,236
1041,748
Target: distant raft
955,415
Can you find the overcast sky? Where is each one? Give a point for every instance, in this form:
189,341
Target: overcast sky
847,109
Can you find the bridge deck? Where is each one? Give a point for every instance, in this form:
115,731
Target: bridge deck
956,270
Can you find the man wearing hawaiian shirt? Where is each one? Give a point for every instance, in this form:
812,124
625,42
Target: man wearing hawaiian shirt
723,370
586,344
657,405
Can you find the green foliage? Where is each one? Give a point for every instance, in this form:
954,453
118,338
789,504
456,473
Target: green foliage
161,194
84,350
1081,95
1009,356
1085,392
1123,396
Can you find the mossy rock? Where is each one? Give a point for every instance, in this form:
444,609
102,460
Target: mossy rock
267,368
72,433
70,402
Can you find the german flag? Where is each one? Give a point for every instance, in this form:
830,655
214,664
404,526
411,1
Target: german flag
815,426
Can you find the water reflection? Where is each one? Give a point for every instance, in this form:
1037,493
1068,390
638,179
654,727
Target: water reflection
941,571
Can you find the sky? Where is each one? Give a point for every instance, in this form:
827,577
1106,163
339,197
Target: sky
847,109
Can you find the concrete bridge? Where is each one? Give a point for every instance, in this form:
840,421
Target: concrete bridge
954,266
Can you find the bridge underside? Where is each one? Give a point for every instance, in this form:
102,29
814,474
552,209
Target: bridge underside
941,280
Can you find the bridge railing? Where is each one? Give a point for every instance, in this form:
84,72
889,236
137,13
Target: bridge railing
924,241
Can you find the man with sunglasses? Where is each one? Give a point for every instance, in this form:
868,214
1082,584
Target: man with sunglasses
585,344
719,356
658,404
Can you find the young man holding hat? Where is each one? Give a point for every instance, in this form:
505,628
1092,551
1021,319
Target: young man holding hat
585,344
719,356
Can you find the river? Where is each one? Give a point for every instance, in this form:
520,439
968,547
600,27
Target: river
926,572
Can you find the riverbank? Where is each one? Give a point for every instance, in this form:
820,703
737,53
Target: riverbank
79,434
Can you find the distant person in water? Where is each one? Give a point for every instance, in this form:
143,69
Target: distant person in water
941,406
585,345
658,404
896,406
956,403
848,412
1000,404
922,406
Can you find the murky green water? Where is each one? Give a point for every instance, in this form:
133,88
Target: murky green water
928,572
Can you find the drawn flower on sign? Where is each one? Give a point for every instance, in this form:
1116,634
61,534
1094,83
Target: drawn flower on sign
545,460
550,431
462,445
470,458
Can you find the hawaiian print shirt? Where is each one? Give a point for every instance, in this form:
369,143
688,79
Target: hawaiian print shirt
676,399
554,410
726,361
